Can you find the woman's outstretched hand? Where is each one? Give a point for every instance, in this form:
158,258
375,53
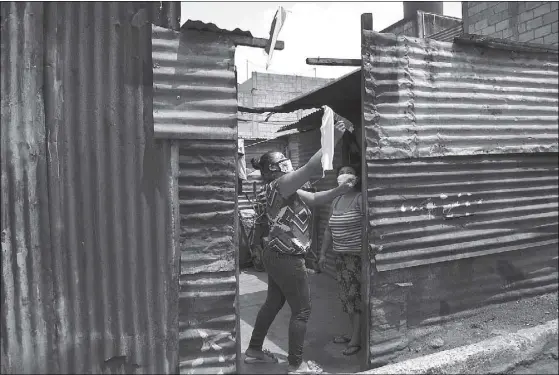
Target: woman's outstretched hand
339,130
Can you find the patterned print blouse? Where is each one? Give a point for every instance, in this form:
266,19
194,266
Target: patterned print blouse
289,221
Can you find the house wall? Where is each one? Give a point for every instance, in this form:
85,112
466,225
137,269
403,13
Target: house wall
521,21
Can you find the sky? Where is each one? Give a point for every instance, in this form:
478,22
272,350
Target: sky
311,29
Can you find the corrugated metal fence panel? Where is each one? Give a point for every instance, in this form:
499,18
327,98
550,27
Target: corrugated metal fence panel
406,303
207,242
195,98
448,35
195,92
431,210
427,98
27,332
111,191
101,295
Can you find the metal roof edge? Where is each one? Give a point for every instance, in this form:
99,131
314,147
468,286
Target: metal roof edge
212,27
503,44
291,105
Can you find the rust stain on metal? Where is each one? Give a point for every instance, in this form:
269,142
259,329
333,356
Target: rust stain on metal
432,210
462,181
27,333
195,102
195,92
208,285
440,99
89,281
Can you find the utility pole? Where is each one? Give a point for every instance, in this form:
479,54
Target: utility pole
247,71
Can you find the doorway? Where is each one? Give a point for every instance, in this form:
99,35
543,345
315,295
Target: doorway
327,318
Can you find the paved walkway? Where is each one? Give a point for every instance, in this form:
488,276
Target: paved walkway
327,320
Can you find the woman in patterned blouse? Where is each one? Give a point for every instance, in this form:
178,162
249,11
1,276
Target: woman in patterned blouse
289,219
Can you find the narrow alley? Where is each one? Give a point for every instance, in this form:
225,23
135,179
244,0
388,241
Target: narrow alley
327,320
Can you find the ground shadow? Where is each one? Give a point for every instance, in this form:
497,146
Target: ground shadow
327,319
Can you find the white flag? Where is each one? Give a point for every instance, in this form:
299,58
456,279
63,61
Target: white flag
277,24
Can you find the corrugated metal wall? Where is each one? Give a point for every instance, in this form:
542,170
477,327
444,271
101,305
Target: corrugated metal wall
193,96
432,210
27,302
89,264
208,284
195,100
438,99
462,181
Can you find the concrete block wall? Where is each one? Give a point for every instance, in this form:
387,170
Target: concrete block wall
403,27
522,21
268,90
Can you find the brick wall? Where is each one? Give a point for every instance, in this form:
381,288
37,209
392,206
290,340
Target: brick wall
522,21
268,90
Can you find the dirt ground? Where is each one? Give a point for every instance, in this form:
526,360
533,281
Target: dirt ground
487,322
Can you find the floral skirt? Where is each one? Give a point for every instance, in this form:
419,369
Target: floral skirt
348,273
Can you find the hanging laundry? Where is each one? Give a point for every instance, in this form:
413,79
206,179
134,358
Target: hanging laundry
327,139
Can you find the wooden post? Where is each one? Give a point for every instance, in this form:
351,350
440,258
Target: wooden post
332,61
366,24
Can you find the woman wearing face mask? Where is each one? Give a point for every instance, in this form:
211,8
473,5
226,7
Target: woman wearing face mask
344,233
289,218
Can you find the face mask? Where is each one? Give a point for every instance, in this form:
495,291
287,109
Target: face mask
284,166
346,177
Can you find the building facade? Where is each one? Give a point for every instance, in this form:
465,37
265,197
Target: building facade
520,21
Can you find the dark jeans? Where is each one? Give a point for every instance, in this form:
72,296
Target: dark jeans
287,280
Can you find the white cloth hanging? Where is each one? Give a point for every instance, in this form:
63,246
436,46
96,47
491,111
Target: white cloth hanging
327,139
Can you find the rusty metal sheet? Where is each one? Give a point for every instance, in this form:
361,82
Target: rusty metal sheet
448,35
208,240
407,302
195,92
27,333
88,243
426,98
432,210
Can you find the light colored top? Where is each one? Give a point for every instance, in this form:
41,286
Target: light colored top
346,226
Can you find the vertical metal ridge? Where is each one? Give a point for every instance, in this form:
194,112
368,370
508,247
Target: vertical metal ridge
26,297
88,245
